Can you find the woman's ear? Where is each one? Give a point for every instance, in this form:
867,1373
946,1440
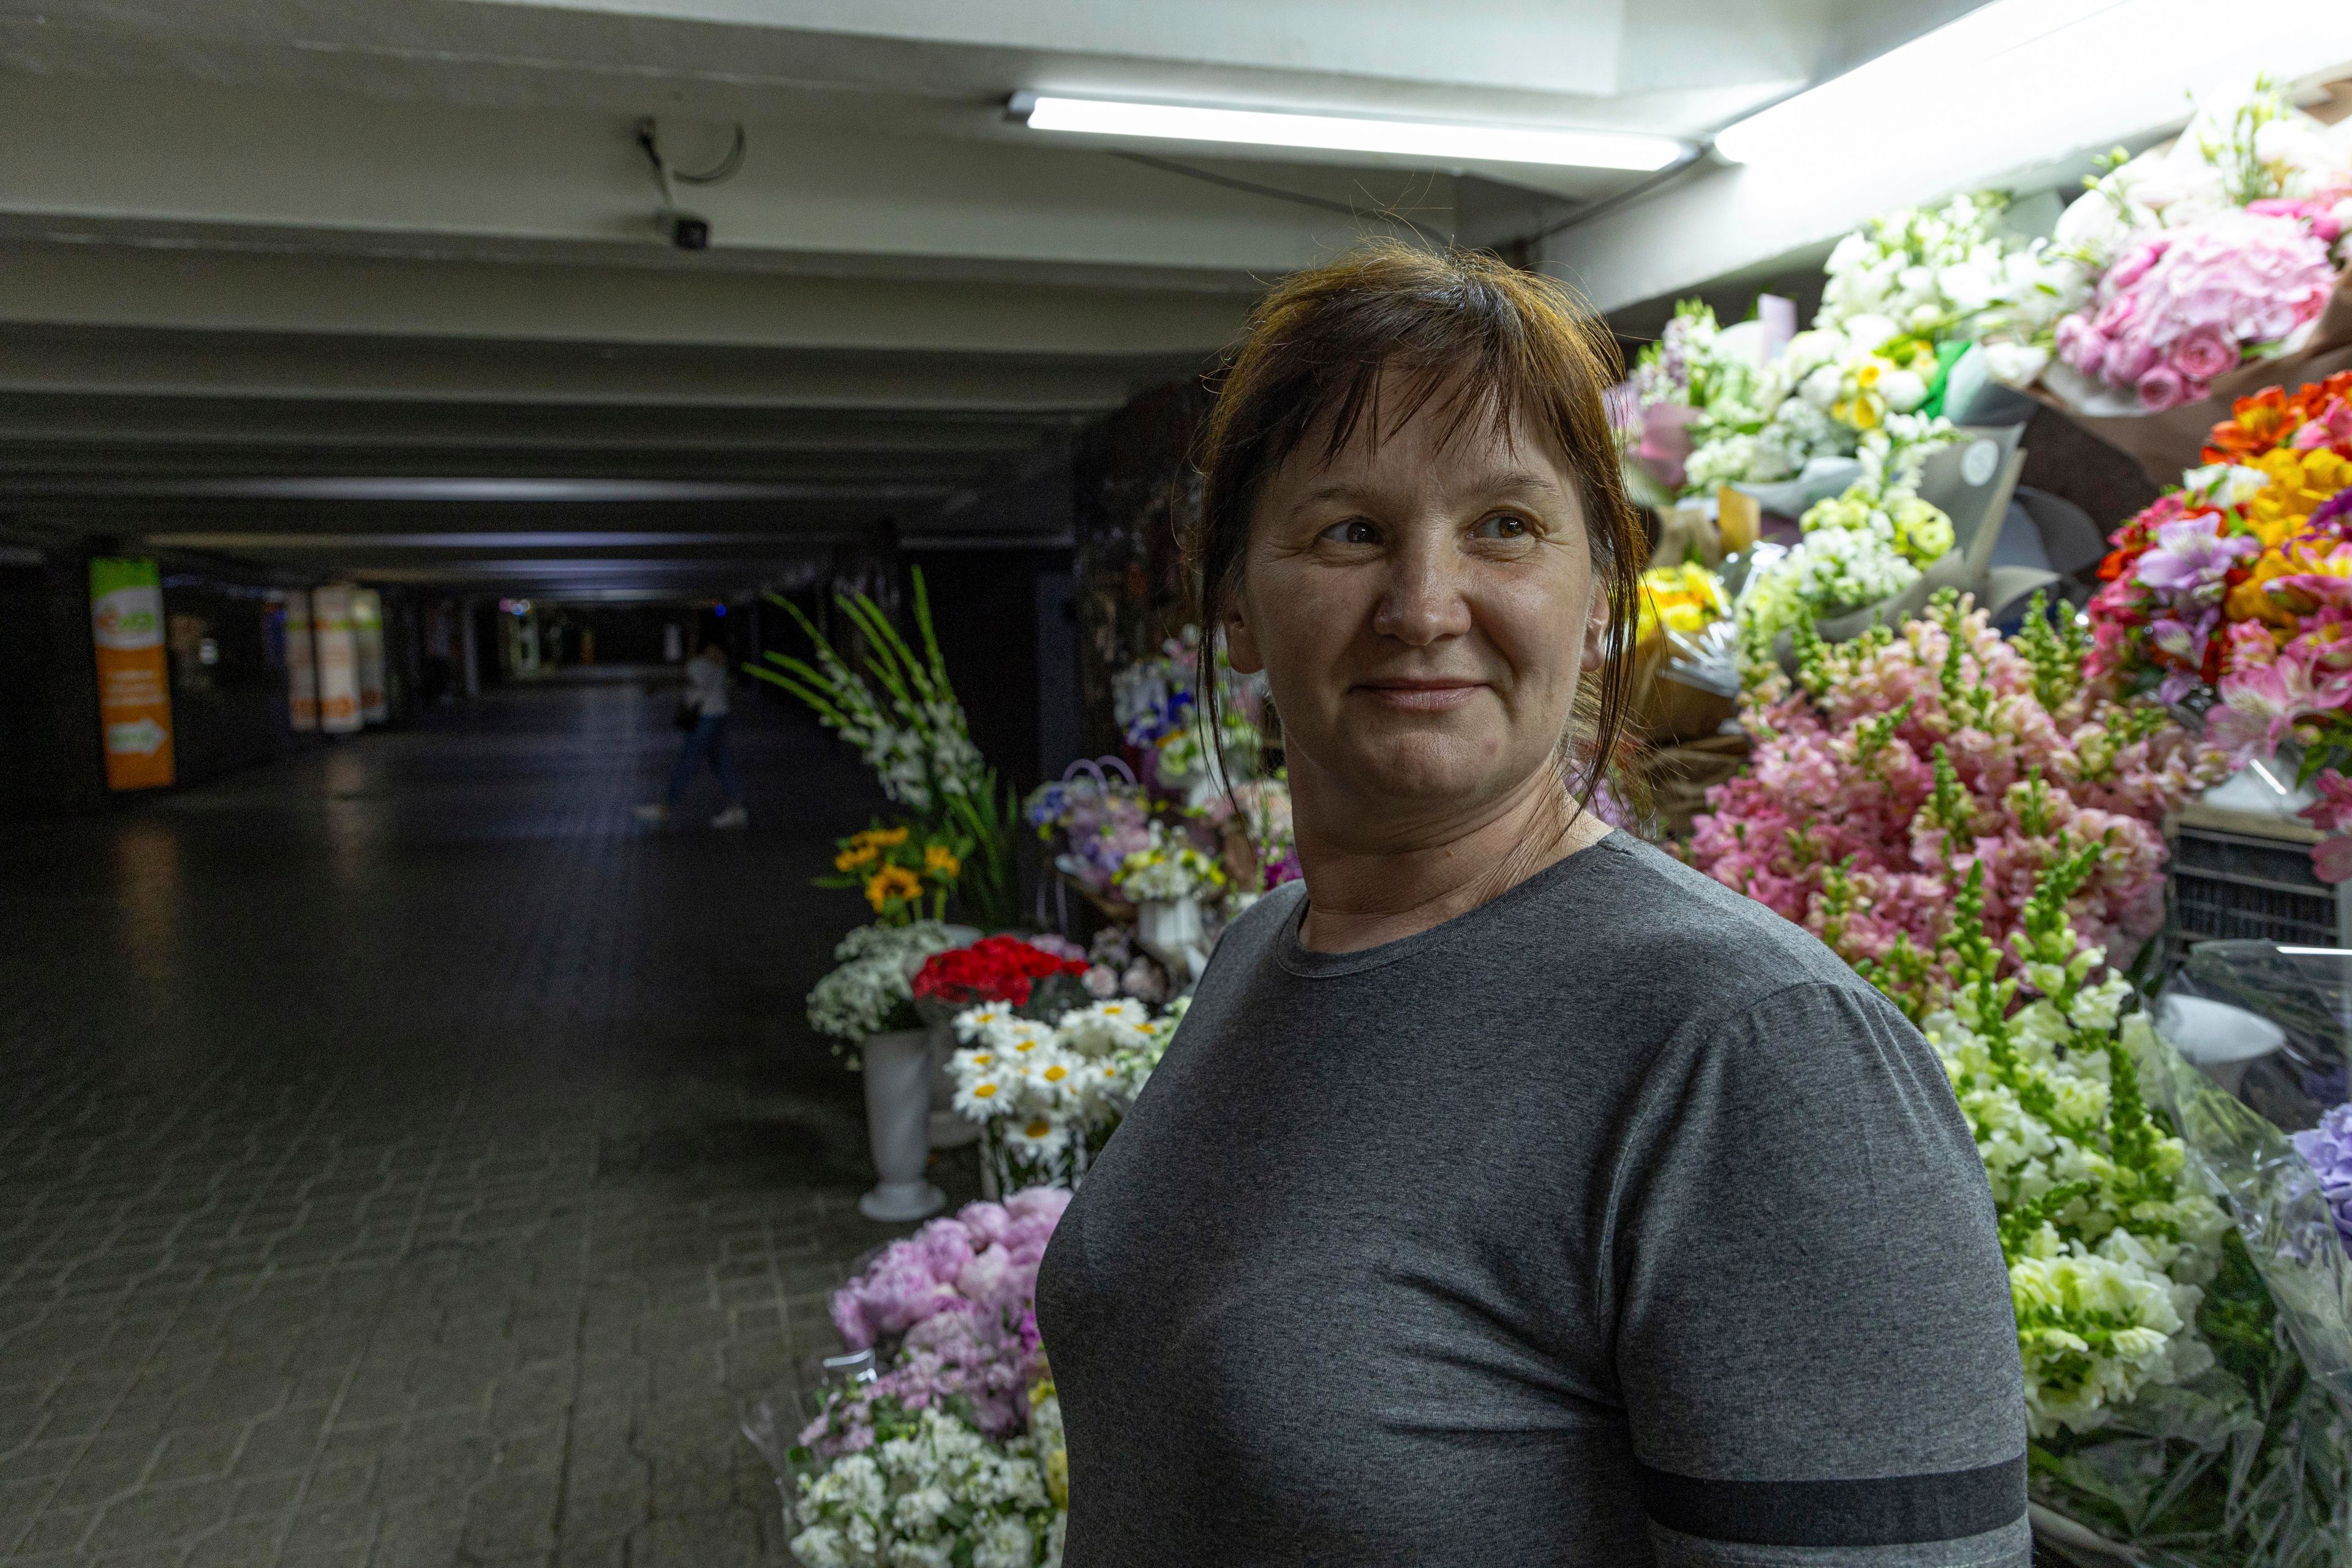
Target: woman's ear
1596,625
1241,646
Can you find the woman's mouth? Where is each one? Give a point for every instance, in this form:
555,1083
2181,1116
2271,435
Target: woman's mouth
1421,696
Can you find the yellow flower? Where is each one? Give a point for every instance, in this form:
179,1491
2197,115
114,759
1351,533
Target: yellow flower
1682,598
2251,601
892,884
2299,482
942,863
853,857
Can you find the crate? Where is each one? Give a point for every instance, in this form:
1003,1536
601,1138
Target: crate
2237,875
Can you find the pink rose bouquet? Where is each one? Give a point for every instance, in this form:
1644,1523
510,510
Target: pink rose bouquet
2185,305
1896,763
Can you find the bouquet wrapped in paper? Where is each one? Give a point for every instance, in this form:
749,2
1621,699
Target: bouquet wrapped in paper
2221,261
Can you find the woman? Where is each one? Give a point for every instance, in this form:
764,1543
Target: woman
1512,1194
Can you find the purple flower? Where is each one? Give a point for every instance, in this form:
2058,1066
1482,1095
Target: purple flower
2183,635
2328,1148
2190,555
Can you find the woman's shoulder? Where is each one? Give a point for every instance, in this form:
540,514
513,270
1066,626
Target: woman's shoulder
1639,906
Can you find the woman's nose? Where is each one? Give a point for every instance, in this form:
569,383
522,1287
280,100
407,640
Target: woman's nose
1424,600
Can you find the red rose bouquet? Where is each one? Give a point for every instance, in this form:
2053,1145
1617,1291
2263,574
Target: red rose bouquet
993,969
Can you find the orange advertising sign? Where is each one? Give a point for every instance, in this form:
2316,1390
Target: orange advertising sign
134,691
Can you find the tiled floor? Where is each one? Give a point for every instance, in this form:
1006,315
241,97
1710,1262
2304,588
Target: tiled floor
405,1158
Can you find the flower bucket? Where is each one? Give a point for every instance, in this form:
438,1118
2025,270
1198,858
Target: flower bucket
898,1127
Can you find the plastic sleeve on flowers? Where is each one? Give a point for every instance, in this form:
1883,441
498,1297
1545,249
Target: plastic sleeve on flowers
1816,1348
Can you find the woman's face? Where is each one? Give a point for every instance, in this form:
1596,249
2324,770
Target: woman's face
1423,613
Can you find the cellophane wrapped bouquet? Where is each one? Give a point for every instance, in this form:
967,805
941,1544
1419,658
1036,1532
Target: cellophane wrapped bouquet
948,1449
2220,250
1906,294
1858,549
1047,1096
1161,718
1891,761
2232,595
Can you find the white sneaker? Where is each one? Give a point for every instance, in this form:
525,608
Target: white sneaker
653,812
733,817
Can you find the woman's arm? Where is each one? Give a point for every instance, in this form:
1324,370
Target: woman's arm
1816,1344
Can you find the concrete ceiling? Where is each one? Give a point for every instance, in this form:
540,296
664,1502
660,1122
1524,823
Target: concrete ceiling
372,286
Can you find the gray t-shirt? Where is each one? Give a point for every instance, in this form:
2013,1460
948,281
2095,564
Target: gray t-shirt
1615,1221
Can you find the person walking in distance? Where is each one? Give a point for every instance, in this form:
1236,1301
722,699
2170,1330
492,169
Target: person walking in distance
702,713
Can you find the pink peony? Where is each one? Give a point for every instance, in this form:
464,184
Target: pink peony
2160,387
2183,307
2204,353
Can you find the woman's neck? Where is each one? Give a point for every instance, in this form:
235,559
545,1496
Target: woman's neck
1366,887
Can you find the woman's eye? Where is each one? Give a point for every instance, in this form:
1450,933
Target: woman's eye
1503,525
1355,531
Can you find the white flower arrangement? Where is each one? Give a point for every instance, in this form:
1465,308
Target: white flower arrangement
1859,548
1044,1094
1897,286
869,992
1948,273
1169,869
942,1495
2107,1247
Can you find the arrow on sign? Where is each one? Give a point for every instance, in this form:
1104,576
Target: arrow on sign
139,739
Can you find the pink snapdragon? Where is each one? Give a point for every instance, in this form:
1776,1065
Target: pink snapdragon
1834,827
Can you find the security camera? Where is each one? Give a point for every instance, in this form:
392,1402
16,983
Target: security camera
688,231
685,230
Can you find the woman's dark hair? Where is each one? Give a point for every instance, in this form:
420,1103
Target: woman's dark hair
1492,342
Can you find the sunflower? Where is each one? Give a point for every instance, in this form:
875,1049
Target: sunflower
941,862
892,884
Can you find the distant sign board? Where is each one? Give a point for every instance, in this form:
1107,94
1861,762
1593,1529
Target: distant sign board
134,689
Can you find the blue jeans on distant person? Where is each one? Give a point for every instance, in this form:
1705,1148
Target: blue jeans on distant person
708,738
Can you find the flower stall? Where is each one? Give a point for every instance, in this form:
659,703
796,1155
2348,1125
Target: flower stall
1974,823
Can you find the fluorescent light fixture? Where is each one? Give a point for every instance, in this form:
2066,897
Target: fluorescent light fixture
2319,952
1861,100
1450,141
2019,83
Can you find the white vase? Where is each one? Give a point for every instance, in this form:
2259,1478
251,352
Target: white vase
950,1128
1174,931
897,1126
